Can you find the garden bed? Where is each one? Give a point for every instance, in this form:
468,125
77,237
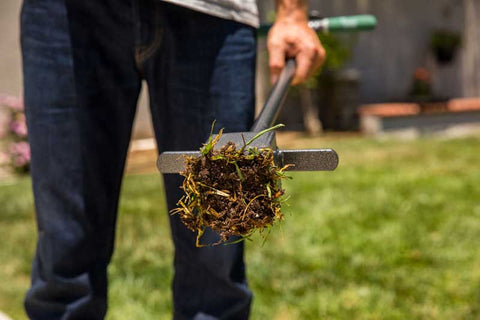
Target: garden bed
453,117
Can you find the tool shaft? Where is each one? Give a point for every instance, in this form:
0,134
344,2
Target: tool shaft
275,100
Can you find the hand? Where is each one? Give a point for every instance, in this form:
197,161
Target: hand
291,37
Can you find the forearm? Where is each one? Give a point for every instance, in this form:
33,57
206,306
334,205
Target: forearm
291,9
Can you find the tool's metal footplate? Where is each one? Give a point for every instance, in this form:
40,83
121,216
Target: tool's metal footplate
302,160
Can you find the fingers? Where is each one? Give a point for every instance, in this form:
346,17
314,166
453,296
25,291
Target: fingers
309,59
276,61
305,60
321,56
294,40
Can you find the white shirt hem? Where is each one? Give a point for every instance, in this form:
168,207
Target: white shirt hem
245,17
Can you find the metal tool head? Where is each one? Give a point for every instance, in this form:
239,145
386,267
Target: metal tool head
305,160
173,161
302,160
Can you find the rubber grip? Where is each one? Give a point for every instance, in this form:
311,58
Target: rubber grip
350,23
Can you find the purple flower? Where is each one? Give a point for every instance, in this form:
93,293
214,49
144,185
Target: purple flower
19,128
20,153
20,161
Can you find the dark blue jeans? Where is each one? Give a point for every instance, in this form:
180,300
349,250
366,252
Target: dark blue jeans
83,66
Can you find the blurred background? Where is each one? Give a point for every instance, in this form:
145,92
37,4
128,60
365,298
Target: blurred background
393,233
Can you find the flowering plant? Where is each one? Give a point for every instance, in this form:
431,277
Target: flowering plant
16,153
422,84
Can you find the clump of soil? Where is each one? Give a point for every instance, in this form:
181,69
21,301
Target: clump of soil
232,190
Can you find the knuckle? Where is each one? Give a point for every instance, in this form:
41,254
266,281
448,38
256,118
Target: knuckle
275,65
273,44
321,53
310,50
309,54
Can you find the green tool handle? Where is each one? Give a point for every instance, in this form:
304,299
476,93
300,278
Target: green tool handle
349,23
336,24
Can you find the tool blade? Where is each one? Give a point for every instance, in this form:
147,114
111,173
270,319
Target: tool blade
174,161
307,159
303,160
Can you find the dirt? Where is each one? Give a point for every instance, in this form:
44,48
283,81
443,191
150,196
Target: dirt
232,190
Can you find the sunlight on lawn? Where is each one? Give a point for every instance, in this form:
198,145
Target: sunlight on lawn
392,234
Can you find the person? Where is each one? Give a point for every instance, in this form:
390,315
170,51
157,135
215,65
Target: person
83,64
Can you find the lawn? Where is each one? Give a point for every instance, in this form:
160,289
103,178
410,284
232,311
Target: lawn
393,233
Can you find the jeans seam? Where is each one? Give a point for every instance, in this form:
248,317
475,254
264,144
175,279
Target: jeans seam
142,53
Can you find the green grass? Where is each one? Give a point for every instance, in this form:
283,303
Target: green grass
394,233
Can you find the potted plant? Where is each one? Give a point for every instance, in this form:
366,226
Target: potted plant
421,90
444,44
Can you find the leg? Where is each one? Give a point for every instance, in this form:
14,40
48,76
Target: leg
203,70
81,88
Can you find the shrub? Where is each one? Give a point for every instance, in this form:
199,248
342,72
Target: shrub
16,150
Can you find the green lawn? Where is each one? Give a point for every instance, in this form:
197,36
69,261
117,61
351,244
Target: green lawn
394,233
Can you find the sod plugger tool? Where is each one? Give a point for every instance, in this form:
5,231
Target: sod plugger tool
300,159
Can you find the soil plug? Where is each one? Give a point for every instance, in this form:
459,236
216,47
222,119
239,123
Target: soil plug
233,190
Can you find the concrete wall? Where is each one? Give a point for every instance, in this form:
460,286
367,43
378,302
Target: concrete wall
449,124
